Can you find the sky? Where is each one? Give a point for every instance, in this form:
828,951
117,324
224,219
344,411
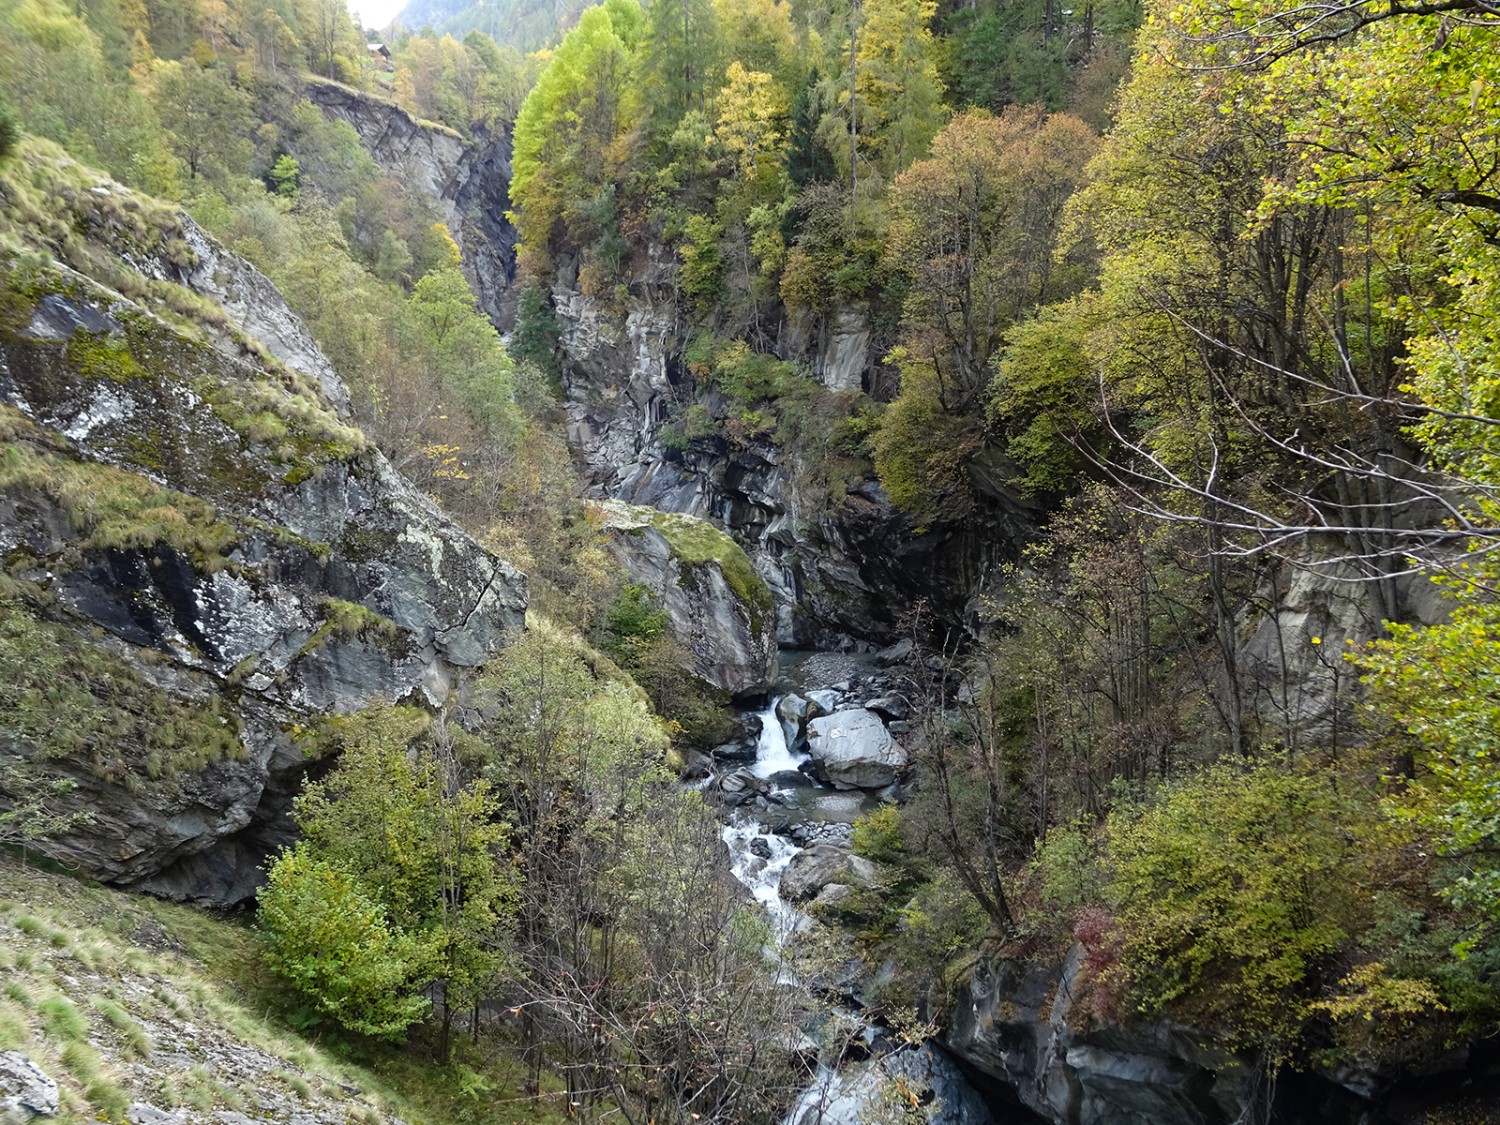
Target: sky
375,13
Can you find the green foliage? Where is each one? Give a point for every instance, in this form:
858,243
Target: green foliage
633,621
1231,889
566,129
332,944
1067,863
920,449
537,333
1044,394
10,131
877,835
61,1019
700,277
207,120
1441,683
285,175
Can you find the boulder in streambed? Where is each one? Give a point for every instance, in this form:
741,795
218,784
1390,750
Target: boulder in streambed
816,867
855,750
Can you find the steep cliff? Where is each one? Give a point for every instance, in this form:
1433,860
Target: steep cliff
468,180
842,564
717,606
202,556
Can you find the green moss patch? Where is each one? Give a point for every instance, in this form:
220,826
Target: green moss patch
349,621
115,509
696,542
63,698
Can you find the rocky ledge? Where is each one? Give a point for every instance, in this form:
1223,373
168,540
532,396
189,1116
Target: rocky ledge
202,556
716,604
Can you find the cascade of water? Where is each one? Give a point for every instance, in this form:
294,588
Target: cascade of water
772,755
762,873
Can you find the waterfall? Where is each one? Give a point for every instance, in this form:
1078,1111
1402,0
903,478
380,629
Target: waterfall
772,755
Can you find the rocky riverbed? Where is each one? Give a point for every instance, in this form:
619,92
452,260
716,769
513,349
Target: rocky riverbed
829,748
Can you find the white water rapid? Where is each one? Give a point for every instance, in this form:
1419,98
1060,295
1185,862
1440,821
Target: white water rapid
762,873
772,755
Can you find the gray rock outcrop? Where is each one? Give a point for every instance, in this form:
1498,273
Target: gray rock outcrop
821,865
851,565
854,750
209,558
1293,657
26,1090
468,180
1028,1026
717,606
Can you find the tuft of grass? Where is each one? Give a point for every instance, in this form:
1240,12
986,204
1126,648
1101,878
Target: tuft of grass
137,1041
82,1061
74,700
61,1019
115,509
15,1032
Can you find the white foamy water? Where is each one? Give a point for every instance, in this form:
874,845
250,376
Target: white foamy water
763,876
771,752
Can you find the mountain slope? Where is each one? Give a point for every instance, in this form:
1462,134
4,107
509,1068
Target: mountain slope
209,552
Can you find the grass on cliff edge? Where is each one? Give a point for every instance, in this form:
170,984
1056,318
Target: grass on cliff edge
122,999
696,542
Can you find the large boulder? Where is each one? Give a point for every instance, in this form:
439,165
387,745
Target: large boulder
821,865
204,557
716,604
855,750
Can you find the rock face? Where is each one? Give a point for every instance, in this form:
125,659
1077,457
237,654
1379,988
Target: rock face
203,558
717,606
469,181
26,1090
1023,1026
845,566
1295,654
854,749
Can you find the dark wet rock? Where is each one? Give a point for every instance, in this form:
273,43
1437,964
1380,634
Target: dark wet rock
792,711
734,752
888,707
898,653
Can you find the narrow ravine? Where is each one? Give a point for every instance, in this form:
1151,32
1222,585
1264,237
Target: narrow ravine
779,803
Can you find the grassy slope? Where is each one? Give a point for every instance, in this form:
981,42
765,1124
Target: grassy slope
124,999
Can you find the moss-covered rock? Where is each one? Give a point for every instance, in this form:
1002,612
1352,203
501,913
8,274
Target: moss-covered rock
200,551
718,607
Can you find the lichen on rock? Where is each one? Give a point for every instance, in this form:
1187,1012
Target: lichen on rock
194,534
